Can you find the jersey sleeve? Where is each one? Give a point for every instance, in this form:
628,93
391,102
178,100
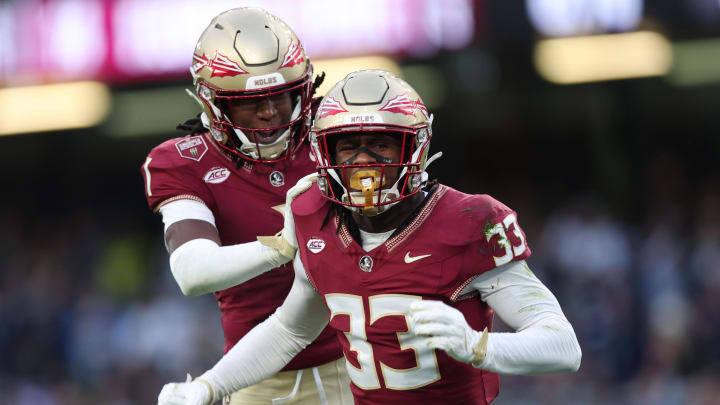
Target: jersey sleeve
496,239
168,177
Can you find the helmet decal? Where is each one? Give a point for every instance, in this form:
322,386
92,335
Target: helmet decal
293,56
220,65
421,106
402,104
330,107
202,61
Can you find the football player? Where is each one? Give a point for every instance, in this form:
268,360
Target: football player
221,185
408,275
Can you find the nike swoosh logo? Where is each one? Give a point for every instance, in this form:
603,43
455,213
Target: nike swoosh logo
409,259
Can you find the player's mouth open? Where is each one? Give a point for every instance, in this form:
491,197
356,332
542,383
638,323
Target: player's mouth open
266,137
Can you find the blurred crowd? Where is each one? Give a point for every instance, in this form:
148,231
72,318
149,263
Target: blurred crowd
90,313
642,297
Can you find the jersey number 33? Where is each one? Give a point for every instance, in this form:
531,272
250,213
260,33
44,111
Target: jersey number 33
366,376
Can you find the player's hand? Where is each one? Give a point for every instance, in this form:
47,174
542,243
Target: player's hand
444,327
285,241
302,185
187,393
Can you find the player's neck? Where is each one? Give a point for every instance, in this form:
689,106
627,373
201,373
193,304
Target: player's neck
390,219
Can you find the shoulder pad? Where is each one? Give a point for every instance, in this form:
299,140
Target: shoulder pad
309,202
471,215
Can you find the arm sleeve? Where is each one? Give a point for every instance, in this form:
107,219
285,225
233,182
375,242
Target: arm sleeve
544,341
201,266
268,347
185,209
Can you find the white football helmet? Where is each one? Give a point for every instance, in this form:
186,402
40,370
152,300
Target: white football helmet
371,101
248,53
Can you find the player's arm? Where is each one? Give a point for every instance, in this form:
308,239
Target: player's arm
198,261
544,341
201,265
264,351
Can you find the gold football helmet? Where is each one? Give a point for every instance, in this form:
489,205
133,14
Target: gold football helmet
371,102
247,55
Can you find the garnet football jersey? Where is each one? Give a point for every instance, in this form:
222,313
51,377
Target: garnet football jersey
454,238
194,167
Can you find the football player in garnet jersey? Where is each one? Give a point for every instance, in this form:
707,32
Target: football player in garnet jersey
409,276
221,185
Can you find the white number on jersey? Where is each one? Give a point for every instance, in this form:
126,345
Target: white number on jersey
510,251
366,377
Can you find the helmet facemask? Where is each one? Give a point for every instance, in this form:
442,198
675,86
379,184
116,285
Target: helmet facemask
245,141
371,188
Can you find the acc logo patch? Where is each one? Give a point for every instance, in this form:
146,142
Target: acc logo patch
316,245
193,148
217,175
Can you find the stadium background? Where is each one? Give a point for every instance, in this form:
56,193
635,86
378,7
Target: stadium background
615,180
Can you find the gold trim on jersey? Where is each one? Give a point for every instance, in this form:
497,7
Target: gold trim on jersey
454,296
179,197
472,294
419,219
344,233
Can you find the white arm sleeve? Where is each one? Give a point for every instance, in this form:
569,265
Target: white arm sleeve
268,347
185,209
201,266
544,341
